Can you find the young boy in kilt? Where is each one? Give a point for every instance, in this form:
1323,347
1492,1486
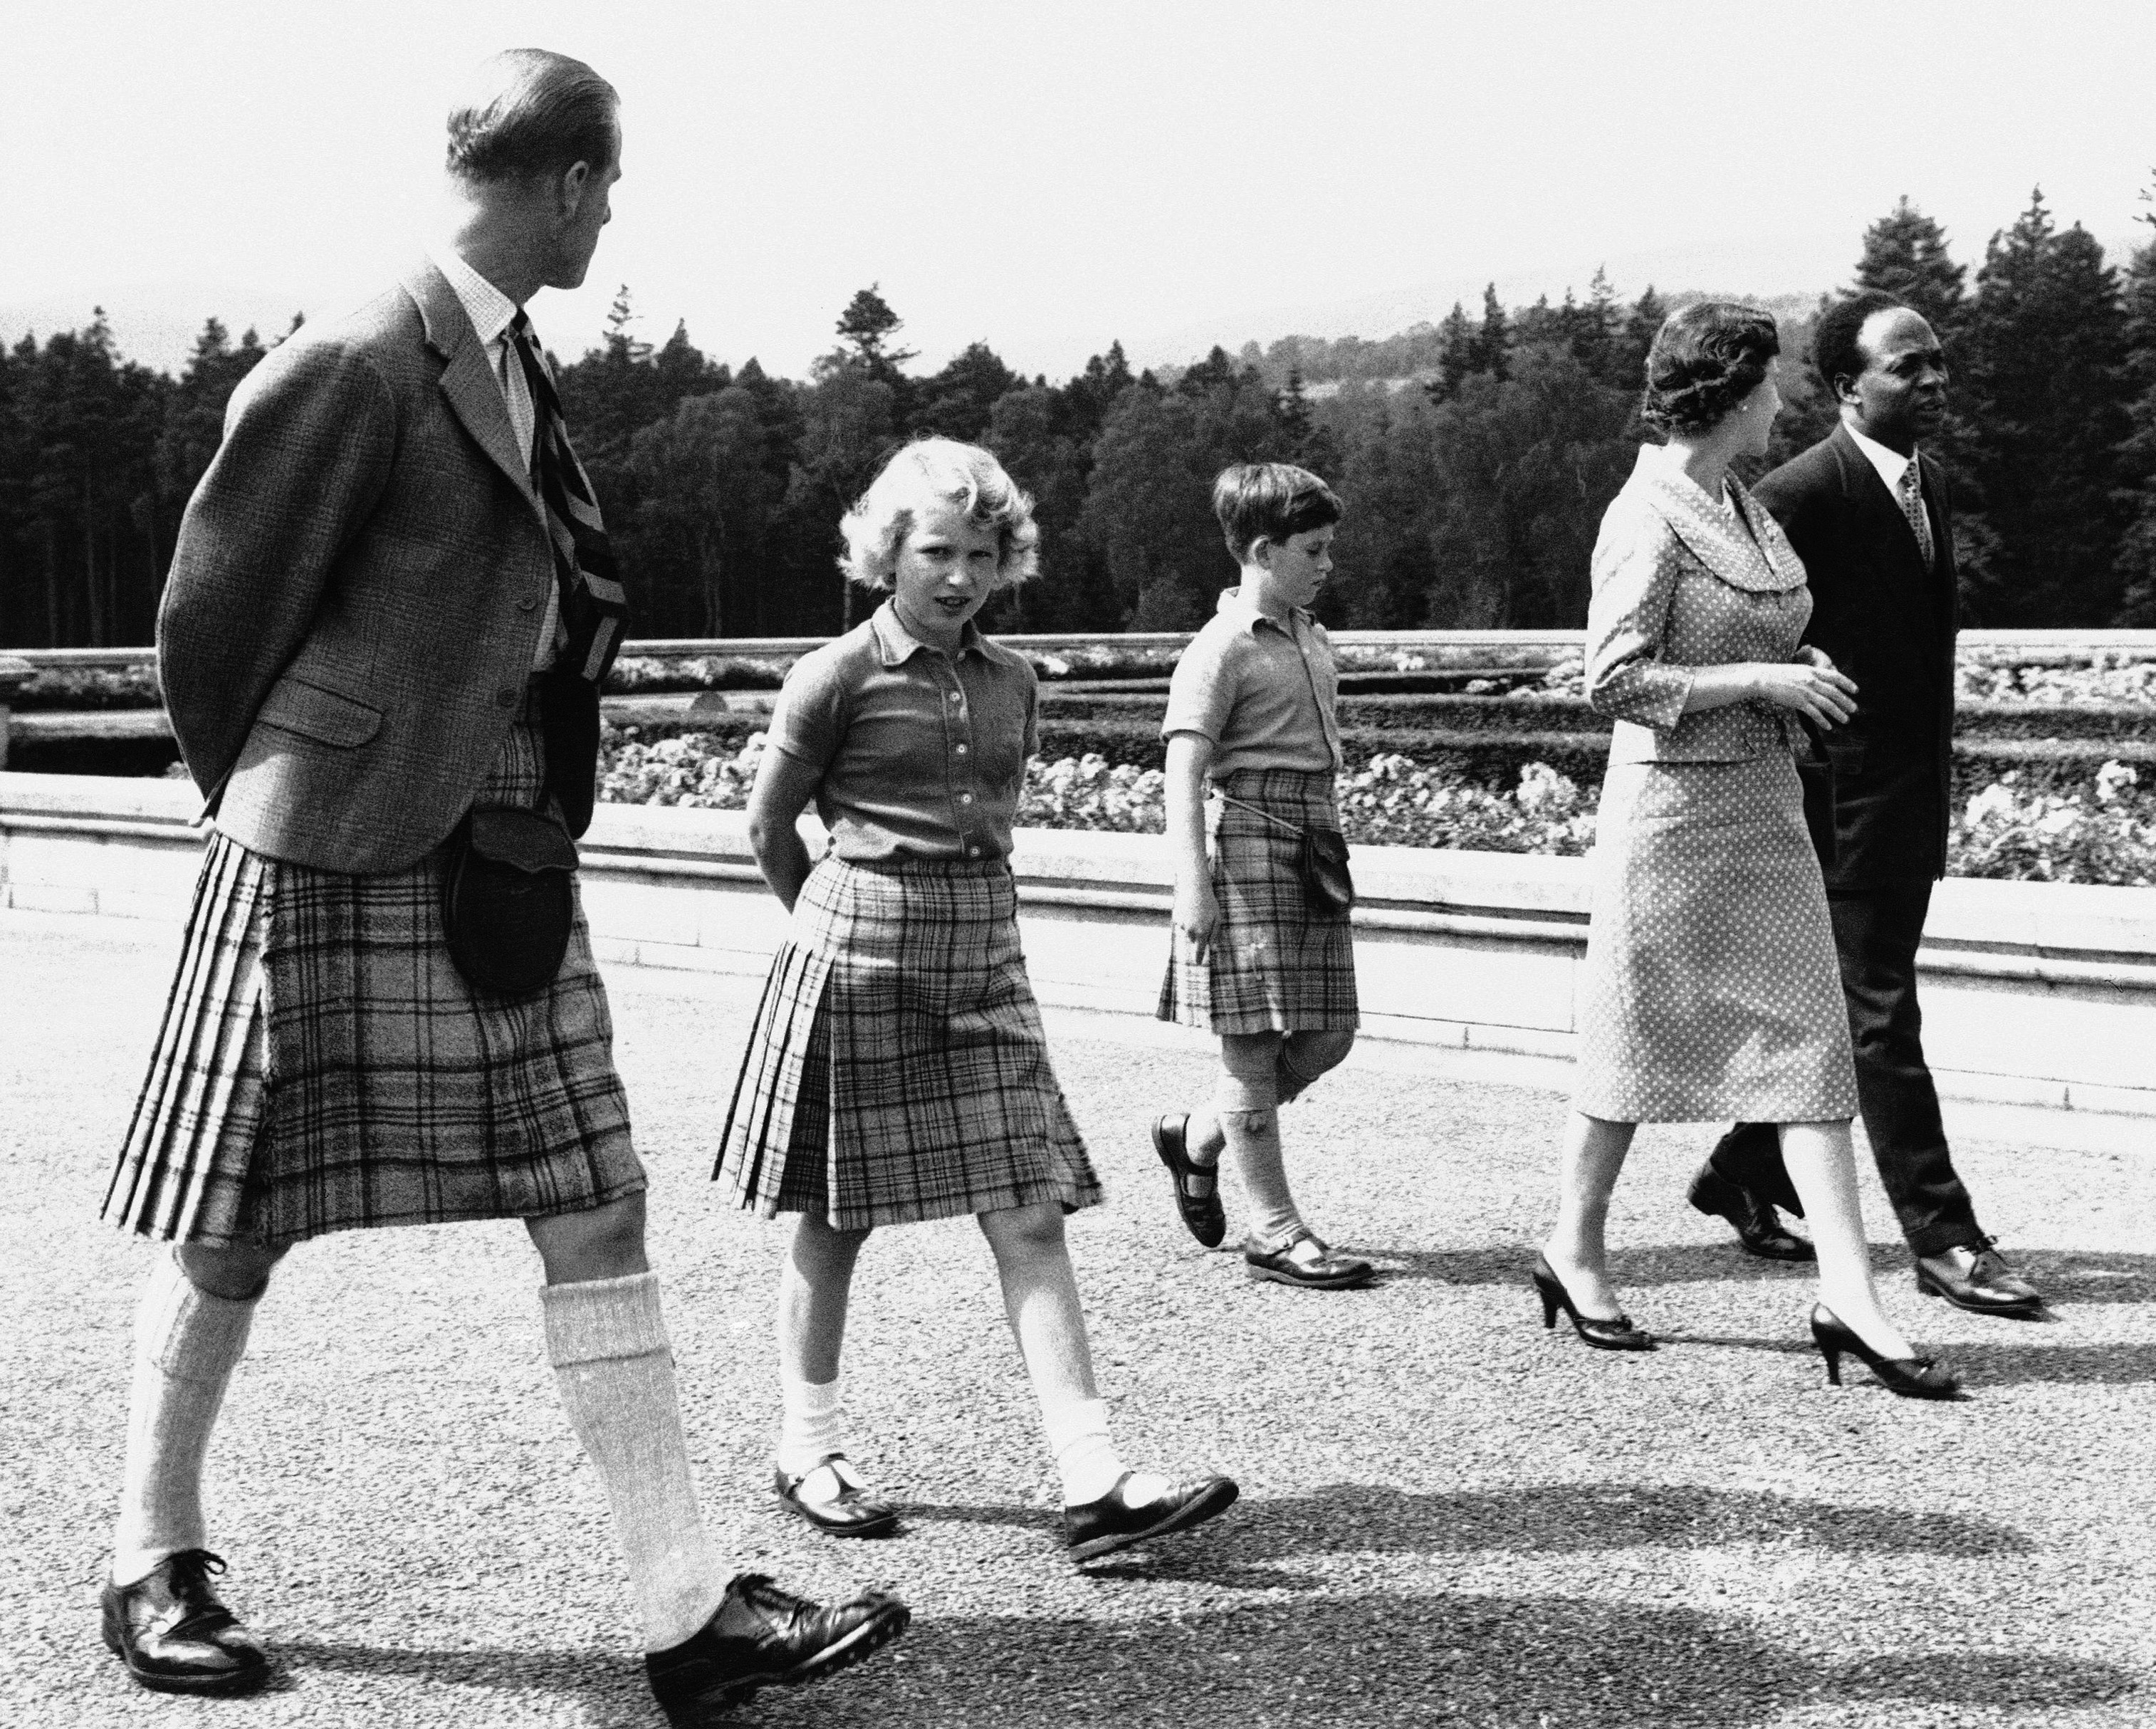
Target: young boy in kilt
391,603
897,1071
1253,749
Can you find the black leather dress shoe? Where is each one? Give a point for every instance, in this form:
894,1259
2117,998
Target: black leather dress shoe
831,1499
1101,1527
174,1635
1759,1226
759,1637
1978,1280
1321,1271
1201,1213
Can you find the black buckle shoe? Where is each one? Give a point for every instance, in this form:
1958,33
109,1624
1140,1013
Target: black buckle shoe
760,1636
1322,1271
1202,1214
848,1508
1101,1527
174,1635
1758,1227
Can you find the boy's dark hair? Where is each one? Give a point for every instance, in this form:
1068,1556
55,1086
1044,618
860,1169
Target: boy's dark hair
1835,350
1271,501
1705,361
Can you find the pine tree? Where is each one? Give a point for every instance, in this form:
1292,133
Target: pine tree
1905,255
1456,354
2137,454
2045,347
867,325
1628,351
1490,351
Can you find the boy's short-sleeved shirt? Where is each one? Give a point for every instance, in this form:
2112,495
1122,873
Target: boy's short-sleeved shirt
1263,690
922,754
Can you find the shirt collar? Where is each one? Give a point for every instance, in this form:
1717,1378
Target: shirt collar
487,306
1891,464
896,644
1246,615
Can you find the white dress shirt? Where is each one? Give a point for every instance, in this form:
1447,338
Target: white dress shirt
492,311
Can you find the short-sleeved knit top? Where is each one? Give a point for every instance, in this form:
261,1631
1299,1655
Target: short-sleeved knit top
1263,689
922,754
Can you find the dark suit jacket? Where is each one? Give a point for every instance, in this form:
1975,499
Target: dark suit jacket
1889,624
357,591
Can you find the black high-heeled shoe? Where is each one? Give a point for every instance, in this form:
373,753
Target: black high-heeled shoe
1618,1335
1911,1377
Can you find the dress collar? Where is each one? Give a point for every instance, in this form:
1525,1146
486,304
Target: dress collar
1762,560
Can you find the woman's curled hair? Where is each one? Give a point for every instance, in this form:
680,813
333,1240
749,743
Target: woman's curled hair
1705,361
921,475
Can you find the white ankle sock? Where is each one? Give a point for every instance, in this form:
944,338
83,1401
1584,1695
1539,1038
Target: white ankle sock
607,1341
187,1342
812,1423
1084,1457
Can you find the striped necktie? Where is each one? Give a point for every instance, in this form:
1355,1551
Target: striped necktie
594,609
1911,492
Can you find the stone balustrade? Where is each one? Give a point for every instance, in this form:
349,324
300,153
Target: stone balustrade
2034,995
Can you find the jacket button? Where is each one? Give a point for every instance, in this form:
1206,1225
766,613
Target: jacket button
505,698
529,602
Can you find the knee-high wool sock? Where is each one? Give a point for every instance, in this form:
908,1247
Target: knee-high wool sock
187,1342
607,1341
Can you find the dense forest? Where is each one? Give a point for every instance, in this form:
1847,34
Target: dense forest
1476,455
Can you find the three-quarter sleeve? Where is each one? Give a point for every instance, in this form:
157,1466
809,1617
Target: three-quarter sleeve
1636,564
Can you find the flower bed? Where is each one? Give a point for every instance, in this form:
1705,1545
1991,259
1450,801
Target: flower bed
2104,834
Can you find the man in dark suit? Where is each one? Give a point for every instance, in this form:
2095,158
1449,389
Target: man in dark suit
392,604
1872,519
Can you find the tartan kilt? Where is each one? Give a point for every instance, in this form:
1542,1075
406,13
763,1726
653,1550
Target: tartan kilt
897,1071
323,1066
1273,965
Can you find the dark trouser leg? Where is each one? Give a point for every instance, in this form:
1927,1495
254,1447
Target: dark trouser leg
1876,933
1750,1155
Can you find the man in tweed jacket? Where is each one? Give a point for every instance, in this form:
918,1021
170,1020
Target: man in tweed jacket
392,600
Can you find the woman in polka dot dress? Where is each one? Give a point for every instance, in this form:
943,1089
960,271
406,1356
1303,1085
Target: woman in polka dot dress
1711,988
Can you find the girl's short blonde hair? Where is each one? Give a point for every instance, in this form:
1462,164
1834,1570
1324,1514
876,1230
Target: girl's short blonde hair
932,471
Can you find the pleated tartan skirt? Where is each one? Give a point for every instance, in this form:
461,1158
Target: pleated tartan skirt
897,1071
322,1066
1711,990
1273,964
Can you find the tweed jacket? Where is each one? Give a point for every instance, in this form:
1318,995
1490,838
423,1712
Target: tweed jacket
1679,586
357,592
1890,623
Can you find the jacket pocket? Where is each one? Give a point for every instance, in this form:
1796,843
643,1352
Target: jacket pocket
314,711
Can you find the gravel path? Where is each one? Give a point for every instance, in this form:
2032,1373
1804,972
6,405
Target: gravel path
1449,1515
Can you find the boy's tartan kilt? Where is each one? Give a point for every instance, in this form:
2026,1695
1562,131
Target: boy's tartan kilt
897,1069
1272,965
322,1066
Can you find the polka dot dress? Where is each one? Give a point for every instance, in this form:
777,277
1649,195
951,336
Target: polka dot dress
1711,990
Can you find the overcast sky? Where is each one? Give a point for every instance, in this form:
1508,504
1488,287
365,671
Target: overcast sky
1046,175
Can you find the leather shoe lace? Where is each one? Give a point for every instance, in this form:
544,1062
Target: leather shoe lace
760,1636
174,1635
1976,1277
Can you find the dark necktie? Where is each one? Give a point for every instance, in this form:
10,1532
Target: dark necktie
1911,492
594,609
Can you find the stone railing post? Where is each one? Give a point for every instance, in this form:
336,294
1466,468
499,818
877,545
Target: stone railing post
14,676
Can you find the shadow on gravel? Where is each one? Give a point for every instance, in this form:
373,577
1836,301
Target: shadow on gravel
2107,1365
1668,1264
2067,1275
1254,1547
1508,1661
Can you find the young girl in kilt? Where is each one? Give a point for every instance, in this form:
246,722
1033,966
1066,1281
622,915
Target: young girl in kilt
1252,751
897,1071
